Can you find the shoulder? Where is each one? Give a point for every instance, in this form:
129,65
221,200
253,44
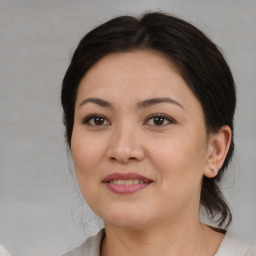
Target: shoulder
233,245
3,251
90,247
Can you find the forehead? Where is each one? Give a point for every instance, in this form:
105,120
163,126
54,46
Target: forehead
138,66
137,75
119,59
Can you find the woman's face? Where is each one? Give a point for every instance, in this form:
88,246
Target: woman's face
135,115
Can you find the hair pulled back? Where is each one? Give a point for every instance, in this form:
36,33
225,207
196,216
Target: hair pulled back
197,59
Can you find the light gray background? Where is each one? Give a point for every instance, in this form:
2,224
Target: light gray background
37,38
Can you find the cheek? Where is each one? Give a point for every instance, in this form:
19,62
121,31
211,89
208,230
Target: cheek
87,156
84,155
179,161
178,152
87,149
179,164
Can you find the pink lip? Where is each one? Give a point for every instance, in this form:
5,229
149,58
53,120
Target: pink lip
126,189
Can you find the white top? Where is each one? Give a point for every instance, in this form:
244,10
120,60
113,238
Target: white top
231,246
3,251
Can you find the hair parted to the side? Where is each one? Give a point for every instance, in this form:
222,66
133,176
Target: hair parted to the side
197,59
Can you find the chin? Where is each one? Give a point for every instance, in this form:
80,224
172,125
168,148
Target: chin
129,220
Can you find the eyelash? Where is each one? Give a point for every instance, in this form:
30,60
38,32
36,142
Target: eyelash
91,117
87,120
164,117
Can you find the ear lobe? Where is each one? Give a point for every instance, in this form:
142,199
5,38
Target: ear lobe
217,150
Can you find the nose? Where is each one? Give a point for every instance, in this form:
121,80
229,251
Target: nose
125,145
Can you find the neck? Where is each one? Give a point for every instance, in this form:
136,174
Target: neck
165,239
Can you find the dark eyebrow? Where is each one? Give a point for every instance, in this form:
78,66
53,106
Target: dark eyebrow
142,104
100,102
149,102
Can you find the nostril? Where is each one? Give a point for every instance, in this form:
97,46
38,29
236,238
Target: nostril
125,154
122,159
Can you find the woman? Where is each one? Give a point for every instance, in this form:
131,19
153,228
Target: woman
148,109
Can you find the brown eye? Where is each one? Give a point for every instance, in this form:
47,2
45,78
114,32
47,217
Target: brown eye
95,120
159,120
98,120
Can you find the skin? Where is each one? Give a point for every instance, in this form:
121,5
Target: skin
162,219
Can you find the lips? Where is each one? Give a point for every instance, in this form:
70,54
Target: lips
126,183
126,176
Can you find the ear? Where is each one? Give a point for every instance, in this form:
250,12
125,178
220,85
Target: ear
218,146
